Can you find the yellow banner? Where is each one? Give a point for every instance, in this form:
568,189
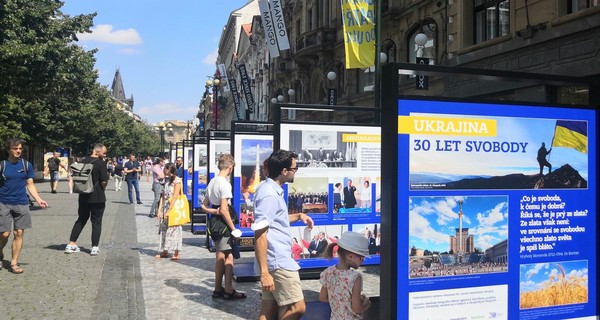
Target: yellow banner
351,137
447,126
358,18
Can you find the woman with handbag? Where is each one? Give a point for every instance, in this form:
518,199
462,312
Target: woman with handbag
170,235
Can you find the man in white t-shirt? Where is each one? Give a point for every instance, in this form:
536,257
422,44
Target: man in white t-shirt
216,203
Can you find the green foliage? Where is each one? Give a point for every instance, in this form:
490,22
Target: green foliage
49,94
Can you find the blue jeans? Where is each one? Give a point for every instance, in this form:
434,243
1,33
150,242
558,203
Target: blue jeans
158,189
131,183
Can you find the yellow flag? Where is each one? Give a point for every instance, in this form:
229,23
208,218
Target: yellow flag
359,33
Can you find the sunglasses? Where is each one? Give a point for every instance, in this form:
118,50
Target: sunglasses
294,169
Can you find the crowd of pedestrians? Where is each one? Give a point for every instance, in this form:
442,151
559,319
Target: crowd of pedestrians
275,251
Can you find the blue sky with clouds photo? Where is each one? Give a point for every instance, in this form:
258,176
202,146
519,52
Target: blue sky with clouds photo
164,49
432,220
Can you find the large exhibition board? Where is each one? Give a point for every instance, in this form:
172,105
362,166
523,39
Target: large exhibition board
337,184
496,211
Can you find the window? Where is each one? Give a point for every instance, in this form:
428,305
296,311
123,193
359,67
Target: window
492,19
578,5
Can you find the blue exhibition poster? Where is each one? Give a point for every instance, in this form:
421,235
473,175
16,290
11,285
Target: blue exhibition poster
496,211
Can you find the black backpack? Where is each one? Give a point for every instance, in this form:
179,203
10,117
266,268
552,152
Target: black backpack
52,165
3,166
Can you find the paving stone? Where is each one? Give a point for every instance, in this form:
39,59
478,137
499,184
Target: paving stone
125,281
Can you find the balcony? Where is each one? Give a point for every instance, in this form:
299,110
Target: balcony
315,42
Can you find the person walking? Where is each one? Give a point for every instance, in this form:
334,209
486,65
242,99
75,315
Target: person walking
16,179
216,202
341,283
118,175
282,296
91,205
53,166
158,178
132,169
148,168
170,236
179,165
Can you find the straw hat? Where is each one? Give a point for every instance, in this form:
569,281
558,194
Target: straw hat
354,242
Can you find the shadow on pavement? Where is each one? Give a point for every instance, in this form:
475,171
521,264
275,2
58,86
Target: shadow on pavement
238,308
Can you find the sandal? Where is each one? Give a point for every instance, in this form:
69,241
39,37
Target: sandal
175,258
162,255
218,294
234,295
15,268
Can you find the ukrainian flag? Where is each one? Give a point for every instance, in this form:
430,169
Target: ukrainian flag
571,134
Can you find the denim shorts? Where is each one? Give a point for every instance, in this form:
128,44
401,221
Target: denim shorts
54,176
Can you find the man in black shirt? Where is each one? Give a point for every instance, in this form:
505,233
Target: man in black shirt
91,205
132,168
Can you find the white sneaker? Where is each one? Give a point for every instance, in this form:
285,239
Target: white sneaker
71,249
95,251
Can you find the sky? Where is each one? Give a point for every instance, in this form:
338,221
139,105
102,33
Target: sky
164,49
432,220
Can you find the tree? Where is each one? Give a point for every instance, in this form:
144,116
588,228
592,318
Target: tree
49,94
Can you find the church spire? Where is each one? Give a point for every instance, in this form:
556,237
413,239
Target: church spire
118,92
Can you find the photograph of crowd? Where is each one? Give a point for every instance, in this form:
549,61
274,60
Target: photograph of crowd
308,195
312,243
323,149
457,235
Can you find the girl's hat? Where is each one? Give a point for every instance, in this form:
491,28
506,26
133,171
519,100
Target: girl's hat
354,242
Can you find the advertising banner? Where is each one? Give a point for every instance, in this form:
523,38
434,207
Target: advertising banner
496,214
279,23
245,80
224,77
337,184
270,33
235,95
358,19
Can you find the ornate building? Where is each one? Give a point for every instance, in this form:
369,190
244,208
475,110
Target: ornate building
545,36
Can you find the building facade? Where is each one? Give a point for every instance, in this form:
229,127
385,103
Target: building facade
553,37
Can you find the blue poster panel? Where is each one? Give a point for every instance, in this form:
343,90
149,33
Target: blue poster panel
188,170
200,174
250,151
496,211
337,185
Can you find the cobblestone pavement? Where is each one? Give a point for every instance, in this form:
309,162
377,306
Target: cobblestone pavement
125,281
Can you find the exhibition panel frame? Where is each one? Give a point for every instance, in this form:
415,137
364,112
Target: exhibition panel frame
198,183
492,207
338,179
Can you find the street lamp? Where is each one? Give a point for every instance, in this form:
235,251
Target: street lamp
162,128
331,92
214,82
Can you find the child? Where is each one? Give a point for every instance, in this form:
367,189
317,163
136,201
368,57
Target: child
342,285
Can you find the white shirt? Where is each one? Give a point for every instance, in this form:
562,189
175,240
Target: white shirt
218,188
